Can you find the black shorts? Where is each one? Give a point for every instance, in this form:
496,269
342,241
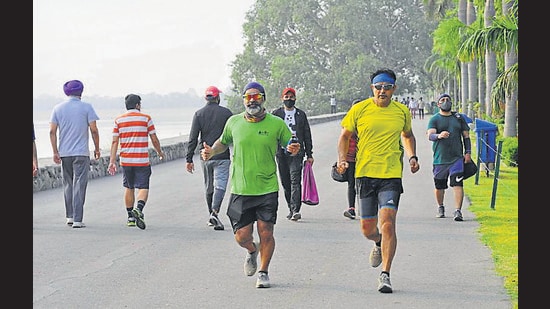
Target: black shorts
377,193
245,209
136,177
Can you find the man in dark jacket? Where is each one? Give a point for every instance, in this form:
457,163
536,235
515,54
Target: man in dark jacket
209,122
290,167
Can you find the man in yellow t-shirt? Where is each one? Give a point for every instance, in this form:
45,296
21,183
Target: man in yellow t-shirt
384,132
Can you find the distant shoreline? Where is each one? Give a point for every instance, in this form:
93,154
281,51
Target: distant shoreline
46,161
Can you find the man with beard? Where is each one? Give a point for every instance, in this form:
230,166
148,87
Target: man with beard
256,136
451,148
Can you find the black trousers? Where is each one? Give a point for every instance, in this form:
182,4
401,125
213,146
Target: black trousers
290,174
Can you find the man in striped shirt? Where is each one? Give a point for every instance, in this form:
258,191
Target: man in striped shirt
132,131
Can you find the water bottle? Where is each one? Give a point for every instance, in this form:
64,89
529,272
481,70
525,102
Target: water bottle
294,139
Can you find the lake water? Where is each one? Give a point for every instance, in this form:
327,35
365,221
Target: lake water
169,123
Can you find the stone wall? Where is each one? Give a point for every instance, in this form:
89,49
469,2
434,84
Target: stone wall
50,176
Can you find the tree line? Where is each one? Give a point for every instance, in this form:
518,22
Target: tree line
328,49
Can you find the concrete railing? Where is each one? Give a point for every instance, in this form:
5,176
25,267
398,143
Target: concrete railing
51,176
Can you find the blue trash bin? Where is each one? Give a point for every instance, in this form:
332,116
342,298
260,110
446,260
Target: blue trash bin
486,140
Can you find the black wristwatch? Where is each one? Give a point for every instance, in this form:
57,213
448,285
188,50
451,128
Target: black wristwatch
413,157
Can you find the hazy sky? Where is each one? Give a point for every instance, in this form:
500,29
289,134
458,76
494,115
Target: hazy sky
117,47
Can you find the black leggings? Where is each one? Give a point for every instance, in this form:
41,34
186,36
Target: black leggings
352,193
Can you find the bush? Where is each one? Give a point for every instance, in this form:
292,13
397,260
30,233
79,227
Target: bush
510,147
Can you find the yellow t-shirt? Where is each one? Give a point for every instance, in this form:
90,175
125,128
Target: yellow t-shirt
379,150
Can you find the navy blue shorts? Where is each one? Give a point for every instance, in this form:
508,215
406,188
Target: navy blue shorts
452,172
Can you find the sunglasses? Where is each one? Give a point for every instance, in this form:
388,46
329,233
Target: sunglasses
385,86
253,97
289,97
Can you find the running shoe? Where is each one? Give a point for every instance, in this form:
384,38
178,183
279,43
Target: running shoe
441,212
70,221
289,216
384,284
375,257
77,225
216,221
296,216
131,221
263,280
350,213
458,215
138,215
251,261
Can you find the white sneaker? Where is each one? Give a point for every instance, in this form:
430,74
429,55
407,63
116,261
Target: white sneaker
251,261
77,225
296,216
384,284
375,257
70,221
263,280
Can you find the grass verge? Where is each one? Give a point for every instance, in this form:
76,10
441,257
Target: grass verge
499,225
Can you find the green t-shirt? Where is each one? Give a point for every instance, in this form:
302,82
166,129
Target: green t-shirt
379,149
253,165
448,150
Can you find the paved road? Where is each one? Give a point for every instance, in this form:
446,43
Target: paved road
320,261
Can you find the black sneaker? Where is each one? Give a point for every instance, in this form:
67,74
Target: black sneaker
138,215
289,216
350,213
211,220
218,226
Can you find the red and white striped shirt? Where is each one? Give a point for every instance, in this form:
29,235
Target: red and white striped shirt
133,129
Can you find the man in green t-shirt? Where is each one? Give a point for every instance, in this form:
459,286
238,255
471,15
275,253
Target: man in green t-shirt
451,148
255,136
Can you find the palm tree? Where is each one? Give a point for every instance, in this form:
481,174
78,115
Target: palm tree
490,60
472,66
509,10
502,38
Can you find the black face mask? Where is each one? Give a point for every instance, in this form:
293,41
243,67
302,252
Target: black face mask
289,103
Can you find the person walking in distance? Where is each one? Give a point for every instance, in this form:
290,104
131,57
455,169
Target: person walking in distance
290,166
132,131
451,148
350,158
384,132
255,135
74,118
413,107
208,122
421,108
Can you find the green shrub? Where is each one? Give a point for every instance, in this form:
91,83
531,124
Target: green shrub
509,151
